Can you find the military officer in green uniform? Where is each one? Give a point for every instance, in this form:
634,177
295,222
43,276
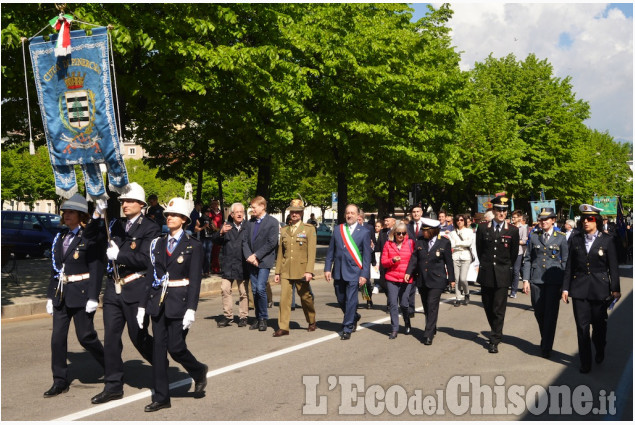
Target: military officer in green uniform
294,267
543,272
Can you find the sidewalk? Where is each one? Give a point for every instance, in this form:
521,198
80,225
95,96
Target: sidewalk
24,290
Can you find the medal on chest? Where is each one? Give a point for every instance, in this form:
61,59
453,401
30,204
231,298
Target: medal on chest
133,244
600,252
76,255
180,259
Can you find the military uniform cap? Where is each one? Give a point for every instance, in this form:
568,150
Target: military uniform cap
76,203
587,209
501,202
429,223
546,213
296,205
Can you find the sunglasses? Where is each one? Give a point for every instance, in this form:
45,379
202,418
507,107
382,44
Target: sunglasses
460,219
401,233
590,218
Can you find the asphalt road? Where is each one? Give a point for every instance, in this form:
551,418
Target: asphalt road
315,376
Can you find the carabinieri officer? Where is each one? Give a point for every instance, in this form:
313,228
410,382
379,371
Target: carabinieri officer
73,292
176,268
592,280
543,271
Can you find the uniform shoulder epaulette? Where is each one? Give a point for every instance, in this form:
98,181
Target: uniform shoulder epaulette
558,232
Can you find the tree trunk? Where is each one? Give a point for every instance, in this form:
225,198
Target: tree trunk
263,187
221,197
342,195
199,178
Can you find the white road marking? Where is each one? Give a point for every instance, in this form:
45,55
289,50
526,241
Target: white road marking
148,393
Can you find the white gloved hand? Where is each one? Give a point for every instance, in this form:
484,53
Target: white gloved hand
141,313
188,319
91,306
113,251
49,307
101,205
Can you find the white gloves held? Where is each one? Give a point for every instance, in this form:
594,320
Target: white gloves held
91,306
113,251
49,307
141,313
188,319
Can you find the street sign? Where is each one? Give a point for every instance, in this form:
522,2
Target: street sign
334,201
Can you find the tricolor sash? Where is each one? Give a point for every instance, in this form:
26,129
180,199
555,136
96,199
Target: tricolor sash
351,246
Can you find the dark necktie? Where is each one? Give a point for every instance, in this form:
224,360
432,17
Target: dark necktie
498,230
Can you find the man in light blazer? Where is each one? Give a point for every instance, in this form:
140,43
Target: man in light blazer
348,263
259,248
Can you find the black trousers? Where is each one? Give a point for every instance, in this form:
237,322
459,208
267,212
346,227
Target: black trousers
118,314
169,337
545,299
86,335
495,305
587,314
430,298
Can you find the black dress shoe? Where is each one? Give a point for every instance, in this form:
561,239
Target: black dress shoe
457,303
545,354
392,335
201,383
585,369
155,405
466,300
408,330
427,341
254,325
106,396
242,322
599,357
357,319
345,336
56,390
493,348
225,321
262,326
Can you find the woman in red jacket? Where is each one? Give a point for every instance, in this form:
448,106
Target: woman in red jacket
394,259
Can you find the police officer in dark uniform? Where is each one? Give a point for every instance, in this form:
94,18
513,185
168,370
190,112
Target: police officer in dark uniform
497,248
592,280
432,259
176,268
73,292
127,285
543,272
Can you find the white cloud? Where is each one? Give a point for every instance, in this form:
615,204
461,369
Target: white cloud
599,56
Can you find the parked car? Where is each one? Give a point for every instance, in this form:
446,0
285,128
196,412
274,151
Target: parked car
29,233
324,234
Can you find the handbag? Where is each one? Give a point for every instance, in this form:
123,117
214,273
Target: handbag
472,259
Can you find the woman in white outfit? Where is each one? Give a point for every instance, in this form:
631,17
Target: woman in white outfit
461,238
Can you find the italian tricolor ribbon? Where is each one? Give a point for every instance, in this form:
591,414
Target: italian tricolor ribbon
62,24
351,246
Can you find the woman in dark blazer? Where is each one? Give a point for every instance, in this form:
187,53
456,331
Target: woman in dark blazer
592,281
73,292
176,270
433,260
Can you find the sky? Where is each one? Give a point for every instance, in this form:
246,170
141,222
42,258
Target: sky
590,42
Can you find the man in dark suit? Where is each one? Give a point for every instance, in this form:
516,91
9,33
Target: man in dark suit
415,231
127,285
497,244
389,223
543,271
259,248
432,260
592,280
348,262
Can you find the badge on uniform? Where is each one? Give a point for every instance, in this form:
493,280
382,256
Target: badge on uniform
133,245
76,255
180,259
600,252
438,253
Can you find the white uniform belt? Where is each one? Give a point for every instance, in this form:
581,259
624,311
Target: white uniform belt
175,283
131,277
76,277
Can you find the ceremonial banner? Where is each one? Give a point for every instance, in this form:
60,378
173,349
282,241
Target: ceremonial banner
483,203
607,203
78,114
536,206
